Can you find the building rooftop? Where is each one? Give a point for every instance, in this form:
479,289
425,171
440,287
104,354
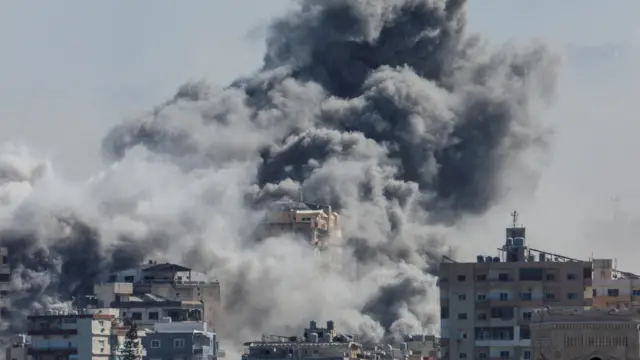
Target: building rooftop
166,267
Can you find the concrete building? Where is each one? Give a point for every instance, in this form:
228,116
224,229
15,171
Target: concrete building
422,347
317,223
5,281
320,343
82,335
613,288
152,291
184,340
591,334
487,305
18,348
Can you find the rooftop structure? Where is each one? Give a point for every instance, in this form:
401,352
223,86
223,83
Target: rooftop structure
319,343
591,333
487,305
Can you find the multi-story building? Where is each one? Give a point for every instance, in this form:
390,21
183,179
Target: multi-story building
487,305
592,334
320,343
317,223
5,281
152,291
422,347
82,334
18,348
184,340
613,288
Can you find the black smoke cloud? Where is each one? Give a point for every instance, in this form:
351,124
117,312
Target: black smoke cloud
385,109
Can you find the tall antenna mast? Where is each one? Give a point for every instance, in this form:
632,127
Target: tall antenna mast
300,193
514,216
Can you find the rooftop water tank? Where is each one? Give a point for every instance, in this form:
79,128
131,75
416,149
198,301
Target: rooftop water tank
480,258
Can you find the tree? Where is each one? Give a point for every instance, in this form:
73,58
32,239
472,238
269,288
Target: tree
131,346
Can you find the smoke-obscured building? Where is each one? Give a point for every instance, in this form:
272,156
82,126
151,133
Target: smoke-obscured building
153,291
487,305
316,223
593,334
5,280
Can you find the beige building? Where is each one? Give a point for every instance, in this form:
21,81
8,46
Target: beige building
613,288
590,334
153,291
487,305
317,223
81,335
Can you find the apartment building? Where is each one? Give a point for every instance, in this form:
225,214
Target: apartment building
613,288
189,340
152,291
593,334
487,305
5,281
83,334
317,223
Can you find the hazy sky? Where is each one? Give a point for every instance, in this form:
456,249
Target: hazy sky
68,72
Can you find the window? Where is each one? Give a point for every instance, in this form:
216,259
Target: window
128,279
136,315
586,273
503,277
5,260
4,293
572,296
525,296
504,296
482,316
482,356
613,292
550,296
462,297
525,333
153,315
178,343
527,315
550,277
462,316
444,313
482,297
526,354
462,278
572,276
504,354
462,356
533,274
636,293
481,277
155,344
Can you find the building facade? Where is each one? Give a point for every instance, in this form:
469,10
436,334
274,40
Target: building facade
487,305
5,281
184,340
152,291
316,223
614,289
590,334
82,335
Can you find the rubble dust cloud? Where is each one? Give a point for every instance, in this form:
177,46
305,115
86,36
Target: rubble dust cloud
387,110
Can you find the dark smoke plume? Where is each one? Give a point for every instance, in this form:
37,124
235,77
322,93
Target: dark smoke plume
385,109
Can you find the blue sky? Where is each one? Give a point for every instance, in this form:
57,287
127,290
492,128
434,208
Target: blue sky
67,73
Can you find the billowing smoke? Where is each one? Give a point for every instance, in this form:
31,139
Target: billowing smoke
385,109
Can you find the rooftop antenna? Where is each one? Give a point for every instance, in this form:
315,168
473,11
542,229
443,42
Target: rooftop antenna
300,193
514,216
